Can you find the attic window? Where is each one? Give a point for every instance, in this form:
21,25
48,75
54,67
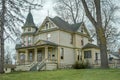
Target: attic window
47,25
82,29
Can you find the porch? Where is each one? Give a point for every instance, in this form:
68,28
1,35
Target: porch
36,54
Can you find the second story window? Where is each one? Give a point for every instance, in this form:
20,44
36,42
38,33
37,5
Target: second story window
48,36
29,29
82,42
71,39
24,29
29,40
24,40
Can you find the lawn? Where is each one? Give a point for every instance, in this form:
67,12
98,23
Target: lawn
87,74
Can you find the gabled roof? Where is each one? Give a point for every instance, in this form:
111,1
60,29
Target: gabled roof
116,54
46,43
65,25
89,45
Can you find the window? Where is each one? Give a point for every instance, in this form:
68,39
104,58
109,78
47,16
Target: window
29,29
62,53
29,39
48,36
31,56
82,29
71,39
96,56
52,25
78,57
22,56
47,25
82,43
24,29
87,54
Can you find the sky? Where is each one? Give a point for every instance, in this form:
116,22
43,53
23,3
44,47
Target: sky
46,10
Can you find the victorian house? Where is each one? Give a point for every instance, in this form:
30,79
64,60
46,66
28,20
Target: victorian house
54,44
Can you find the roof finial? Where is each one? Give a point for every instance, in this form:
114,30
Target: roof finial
29,8
48,13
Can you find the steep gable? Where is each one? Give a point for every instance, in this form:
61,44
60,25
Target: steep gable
58,23
46,25
83,29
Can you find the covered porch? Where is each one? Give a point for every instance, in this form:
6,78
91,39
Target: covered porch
36,54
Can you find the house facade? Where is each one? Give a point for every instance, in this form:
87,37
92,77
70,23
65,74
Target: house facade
55,44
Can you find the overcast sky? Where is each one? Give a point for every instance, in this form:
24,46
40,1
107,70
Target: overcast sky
46,10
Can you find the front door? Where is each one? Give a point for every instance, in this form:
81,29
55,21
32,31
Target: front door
39,56
51,54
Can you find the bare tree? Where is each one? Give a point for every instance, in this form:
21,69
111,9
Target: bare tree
69,10
8,57
11,17
109,20
97,22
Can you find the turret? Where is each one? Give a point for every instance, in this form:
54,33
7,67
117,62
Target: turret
29,29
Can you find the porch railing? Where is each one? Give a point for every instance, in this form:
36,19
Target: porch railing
41,64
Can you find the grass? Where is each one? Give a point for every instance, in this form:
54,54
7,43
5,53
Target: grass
86,74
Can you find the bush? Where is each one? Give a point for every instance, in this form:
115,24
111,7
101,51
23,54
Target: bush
81,65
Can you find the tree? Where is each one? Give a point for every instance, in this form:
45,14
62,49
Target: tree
11,17
8,57
69,10
106,17
98,25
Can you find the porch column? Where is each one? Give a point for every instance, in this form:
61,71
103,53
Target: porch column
46,52
76,55
18,55
58,58
26,56
35,50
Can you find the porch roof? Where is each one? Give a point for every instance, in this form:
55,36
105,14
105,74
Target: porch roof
89,45
19,46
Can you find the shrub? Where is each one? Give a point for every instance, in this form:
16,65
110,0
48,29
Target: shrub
81,65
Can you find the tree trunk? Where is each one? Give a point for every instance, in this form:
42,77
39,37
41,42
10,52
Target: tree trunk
97,22
2,18
103,47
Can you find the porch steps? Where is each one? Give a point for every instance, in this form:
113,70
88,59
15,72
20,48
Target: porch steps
34,68
41,64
